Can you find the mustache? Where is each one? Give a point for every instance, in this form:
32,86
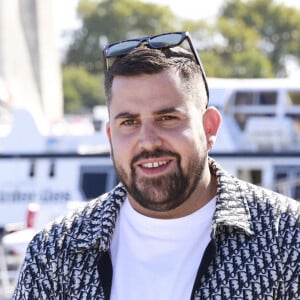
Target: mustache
153,154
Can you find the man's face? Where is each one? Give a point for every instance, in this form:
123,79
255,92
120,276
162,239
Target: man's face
158,141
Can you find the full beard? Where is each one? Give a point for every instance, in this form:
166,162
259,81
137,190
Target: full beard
165,192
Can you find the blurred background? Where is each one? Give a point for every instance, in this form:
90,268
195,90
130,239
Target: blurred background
54,155
235,39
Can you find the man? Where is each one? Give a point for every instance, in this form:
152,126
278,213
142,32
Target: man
178,226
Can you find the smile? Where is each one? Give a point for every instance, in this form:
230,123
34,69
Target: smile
156,164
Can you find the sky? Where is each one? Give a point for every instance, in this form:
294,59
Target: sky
65,11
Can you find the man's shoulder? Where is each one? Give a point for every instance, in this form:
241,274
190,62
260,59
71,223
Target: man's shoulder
267,196
275,208
91,223
252,207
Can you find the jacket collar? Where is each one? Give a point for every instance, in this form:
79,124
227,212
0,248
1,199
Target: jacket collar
95,222
232,208
99,216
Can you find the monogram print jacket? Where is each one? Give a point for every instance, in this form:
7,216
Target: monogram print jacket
254,251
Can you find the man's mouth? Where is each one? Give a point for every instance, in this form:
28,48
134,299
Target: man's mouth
156,164
154,167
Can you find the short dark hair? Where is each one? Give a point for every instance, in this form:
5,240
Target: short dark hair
144,60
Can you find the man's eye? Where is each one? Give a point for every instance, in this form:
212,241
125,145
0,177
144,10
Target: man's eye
167,118
129,122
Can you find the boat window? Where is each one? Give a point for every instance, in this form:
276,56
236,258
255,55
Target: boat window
93,184
267,98
296,124
251,175
255,98
287,180
32,169
281,175
96,180
52,169
241,120
244,98
294,98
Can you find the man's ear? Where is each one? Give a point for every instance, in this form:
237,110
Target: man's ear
211,122
108,133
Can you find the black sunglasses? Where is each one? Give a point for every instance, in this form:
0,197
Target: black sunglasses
165,40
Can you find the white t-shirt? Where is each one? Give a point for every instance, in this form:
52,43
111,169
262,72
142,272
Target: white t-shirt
158,258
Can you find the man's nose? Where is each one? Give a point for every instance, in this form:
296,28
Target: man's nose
150,137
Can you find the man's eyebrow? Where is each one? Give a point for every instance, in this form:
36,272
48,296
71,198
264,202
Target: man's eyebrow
125,115
167,110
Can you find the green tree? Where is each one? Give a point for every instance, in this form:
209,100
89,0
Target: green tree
82,90
233,53
102,22
113,20
253,38
270,29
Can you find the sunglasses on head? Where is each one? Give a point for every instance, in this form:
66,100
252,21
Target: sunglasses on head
165,40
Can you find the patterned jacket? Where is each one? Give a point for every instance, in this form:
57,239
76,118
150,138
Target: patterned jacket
254,252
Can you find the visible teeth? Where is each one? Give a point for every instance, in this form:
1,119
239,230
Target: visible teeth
154,164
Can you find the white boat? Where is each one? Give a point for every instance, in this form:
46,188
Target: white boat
259,140
53,170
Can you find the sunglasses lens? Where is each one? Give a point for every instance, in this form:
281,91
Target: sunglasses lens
166,40
121,48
